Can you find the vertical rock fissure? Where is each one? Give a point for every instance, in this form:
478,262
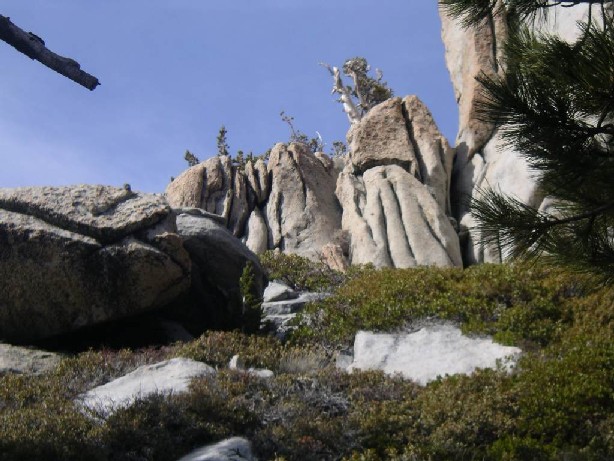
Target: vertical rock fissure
278,218
434,234
204,193
232,191
405,231
300,175
359,212
493,33
421,170
385,243
442,158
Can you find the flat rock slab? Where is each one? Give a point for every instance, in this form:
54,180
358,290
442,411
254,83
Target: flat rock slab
291,306
277,291
233,449
430,352
105,213
22,360
169,376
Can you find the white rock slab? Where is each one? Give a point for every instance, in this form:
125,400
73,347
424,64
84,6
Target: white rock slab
234,449
237,363
169,376
16,359
277,291
430,352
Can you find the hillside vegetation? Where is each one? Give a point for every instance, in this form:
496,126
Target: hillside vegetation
557,404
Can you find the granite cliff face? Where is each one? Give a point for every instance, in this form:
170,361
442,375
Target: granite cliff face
481,159
387,203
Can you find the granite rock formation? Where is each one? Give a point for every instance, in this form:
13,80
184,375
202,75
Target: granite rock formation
386,203
78,256
288,203
397,213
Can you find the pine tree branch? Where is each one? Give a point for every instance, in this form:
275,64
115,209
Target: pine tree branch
592,214
472,12
34,47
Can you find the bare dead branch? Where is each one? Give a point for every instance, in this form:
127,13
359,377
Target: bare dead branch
34,47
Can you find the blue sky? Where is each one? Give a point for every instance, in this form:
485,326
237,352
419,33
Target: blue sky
174,71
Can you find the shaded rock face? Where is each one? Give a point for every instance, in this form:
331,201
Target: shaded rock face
482,159
218,260
288,203
83,262
76,256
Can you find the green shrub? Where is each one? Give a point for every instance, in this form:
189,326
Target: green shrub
252,304
300,273
519,304
216,348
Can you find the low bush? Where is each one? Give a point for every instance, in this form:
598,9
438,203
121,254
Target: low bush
216,348
527,305
300,273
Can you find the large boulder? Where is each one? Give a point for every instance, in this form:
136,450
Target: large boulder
394,221
394,191
302,211
104,213
402,132
218,260
381,138
76,256
102,260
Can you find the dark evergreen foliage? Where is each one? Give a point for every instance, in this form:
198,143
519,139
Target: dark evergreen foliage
315,144
554,105
191,158
472,12
222,142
